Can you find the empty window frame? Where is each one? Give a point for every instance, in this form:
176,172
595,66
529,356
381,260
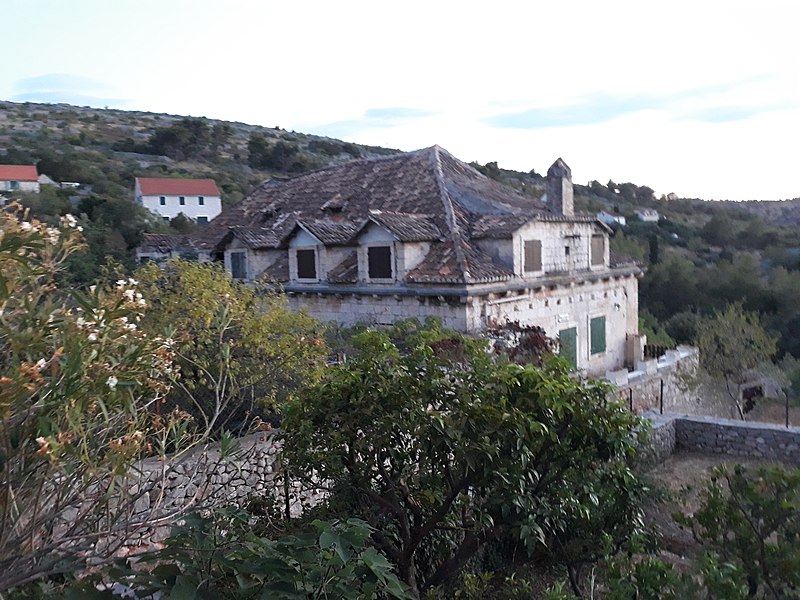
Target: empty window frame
306,263
379,262
598,250
533,256
597,335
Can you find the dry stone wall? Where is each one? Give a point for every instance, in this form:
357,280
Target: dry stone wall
161,491
720,436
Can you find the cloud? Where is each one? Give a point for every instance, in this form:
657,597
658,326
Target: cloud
67,88
590,110
600,108
727,114
374,118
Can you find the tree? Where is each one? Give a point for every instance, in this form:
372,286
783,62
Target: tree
77,381
243,351
731,343
441,450
225,556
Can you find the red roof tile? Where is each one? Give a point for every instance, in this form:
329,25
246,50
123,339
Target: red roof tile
18,173
175,187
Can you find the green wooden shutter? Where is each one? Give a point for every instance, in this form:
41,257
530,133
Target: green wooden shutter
598,335
568,342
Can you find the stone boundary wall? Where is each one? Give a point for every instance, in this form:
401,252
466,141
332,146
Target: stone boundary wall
728,437
738,438
642,387
157,492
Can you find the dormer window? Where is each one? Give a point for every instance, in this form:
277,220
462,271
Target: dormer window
307,263
379,262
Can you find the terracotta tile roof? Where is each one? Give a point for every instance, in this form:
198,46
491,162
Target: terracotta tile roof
442,265
346,271
165,243
277,271
150,186
331,232
18,173
426,195
254,237
407,227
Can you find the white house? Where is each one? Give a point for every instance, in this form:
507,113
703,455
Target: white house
198,199
648,215
19,178
611,218
423,234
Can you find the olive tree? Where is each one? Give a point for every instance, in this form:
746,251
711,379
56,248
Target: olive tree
731,343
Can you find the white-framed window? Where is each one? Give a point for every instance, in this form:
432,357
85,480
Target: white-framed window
306,263
182,200
202,220
380,262
201,201
162,201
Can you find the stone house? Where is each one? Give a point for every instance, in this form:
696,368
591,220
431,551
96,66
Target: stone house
198,199
648,215
19,178
424,234
611,218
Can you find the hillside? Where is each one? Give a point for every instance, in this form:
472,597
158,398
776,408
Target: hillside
700,255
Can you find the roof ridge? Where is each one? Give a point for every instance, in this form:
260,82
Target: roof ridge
447,202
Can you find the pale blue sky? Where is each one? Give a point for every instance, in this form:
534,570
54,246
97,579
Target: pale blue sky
697,97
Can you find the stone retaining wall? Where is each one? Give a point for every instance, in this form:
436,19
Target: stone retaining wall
720,436
737,438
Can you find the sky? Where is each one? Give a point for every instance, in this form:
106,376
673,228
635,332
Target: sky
700,98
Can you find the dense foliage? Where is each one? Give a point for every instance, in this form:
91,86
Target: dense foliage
243,352
442,451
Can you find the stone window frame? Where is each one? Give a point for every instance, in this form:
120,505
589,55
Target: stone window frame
392,259
244,263
296,274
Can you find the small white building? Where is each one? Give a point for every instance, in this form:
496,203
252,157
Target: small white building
19,178
611,218
648,215
198,199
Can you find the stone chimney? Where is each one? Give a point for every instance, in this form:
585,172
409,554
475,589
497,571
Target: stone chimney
559,189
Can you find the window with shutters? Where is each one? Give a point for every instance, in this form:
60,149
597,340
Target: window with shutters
533,256
598,250
379,262
597,334
238,265
307,264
